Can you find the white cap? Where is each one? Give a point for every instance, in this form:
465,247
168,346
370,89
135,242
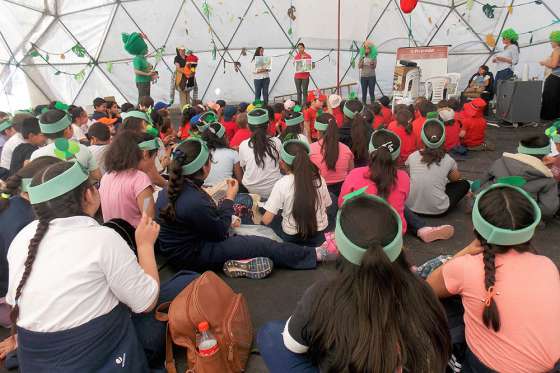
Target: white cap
447,114
334,101
289,104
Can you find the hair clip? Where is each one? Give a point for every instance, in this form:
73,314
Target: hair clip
389,146
489,296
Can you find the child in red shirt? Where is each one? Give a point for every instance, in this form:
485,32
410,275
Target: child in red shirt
474,126
452,128
378,120
311,114
243,133
402,127
229,121
333,104
424,107
386,111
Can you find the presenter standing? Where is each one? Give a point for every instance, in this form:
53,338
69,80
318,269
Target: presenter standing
551,93
301,77
508,58
367,64
261,77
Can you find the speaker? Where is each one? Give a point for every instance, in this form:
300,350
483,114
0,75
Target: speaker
519,101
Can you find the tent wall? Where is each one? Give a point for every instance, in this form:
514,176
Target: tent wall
241,25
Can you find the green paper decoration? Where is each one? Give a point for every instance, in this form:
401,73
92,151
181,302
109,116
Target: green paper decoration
352,96
109,67
206,10
47,58
517,181
34,53
489,10
470,5
214,51
159,54
61,106
80,76
79,50
290,31
66,149
57,72
297,109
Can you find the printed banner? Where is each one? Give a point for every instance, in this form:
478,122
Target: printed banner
432,61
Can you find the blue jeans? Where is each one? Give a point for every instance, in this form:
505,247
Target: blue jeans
368,83
151,332
261,87
504,74
414,221
276,356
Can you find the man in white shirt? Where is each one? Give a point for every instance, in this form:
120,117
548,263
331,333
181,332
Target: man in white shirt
13,133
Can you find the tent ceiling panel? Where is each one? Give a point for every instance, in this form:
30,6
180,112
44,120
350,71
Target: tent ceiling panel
56,87
17,23
68,6
98,85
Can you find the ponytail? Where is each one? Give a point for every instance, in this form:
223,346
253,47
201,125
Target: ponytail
382,166
263,146
329,147
360,134
404,119
307,180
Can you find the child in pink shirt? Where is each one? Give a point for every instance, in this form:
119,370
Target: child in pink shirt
333,158
125,190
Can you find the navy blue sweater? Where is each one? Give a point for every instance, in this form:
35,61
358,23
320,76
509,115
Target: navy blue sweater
198,221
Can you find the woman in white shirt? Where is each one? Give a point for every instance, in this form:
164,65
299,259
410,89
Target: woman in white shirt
73,283
261,78
225,161
259,156
508,58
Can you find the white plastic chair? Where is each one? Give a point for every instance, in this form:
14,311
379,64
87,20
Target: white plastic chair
410,91
435,88
453,86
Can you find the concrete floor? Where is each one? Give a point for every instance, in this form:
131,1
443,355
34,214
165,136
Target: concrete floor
275,298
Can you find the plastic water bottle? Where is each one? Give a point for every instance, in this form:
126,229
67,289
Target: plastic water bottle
205,341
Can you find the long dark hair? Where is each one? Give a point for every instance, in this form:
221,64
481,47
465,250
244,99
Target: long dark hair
504,208
433,132
12,186
123,153
291,132
307,180
212,140
359,130
404,119
378,316
329,147
382,167
263,146
64,206
257,52
183,154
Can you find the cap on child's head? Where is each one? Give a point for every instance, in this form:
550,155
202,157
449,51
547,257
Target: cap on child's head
229,112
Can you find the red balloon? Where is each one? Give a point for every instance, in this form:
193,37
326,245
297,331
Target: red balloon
408,6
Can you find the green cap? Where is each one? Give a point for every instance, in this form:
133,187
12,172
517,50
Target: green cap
510,34
555,36
134,43
500,236
354,253
58,185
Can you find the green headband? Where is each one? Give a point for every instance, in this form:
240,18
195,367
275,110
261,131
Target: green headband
349,113
136,114
501,236
510,34
25,183
545,150
395,152
428,142
352,252
199,161
58,185
555,36
320,126
294,121
56,127
219,133
5,124
552,131
287,157
148,145
258,120
201,126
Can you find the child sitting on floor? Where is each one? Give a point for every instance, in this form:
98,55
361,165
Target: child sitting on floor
302,195
355,132
510,296
473,129
402,127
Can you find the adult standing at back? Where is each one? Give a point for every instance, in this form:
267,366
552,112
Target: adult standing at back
508,58
261,78
301,78
551,93
367,65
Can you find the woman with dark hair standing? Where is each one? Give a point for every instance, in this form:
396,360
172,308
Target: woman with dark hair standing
261,78
510,295
301,78
334,159
374,315
508,58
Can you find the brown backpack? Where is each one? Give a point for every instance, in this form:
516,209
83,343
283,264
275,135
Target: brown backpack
208,298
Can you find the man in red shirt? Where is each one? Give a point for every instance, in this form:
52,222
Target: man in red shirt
310,115
301,78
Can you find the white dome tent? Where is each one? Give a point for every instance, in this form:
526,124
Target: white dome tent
37,37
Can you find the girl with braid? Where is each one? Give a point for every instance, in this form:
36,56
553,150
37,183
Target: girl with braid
510,294
195,231
74,283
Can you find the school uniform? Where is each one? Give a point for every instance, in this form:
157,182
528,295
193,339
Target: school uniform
199,237
74,310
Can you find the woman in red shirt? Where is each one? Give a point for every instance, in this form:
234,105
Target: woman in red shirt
402,127
301,78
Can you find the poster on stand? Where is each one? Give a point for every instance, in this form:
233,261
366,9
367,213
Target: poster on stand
432,61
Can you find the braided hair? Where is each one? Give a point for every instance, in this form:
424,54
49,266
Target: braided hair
508,209
183,154
66,205
13,183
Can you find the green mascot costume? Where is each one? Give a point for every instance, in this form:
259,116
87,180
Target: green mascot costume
135,45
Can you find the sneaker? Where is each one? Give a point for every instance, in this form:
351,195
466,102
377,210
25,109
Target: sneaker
430,234
255,268
328,250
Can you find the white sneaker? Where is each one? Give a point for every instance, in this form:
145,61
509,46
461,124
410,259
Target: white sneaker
430,234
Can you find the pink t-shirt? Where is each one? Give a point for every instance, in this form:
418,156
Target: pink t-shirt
343,165
528,304
118,192
359,178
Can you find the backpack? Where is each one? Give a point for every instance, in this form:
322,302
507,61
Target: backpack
208,298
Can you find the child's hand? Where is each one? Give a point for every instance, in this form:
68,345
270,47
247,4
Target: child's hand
232,188
147,231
